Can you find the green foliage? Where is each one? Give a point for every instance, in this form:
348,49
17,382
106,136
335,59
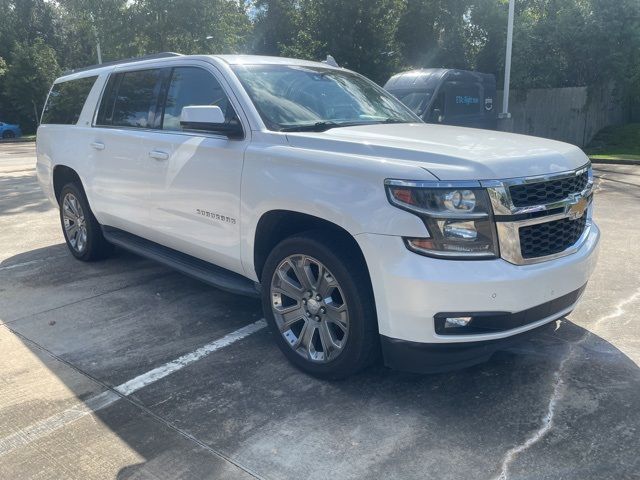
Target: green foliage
276,26
190,26
556,42
359,34
28,78
616,140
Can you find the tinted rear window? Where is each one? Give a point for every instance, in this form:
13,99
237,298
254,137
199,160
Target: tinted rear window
66,100
129,99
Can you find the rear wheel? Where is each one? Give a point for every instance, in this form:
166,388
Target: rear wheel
317,299
82,231
8,134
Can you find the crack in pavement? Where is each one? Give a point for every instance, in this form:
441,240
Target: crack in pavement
558,390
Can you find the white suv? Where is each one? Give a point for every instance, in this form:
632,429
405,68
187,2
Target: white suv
364,230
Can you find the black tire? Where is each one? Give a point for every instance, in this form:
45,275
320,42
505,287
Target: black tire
8,134
94,247
345,263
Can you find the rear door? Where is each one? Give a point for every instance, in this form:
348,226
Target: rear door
122,149
195,195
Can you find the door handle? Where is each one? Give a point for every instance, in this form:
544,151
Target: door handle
158,155
97,145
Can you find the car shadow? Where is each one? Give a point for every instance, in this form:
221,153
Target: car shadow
247,403
21,194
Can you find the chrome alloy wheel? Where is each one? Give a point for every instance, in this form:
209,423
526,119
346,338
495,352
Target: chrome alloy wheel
75,225
309,308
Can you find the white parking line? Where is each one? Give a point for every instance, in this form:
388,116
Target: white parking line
30,262
44,427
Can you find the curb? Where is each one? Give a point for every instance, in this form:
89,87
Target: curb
16,140
614,162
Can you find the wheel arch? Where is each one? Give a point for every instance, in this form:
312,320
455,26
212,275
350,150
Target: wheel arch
62,175
277,225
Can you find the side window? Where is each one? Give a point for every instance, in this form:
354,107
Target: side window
105,112
135,99
66,100
193,86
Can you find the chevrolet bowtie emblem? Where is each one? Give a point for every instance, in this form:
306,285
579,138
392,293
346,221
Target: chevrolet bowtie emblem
576,210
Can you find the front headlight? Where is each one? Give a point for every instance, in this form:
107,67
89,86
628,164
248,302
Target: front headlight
457,215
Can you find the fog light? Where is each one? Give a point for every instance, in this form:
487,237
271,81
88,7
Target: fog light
455,322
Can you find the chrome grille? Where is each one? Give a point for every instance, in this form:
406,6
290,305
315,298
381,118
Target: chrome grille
544,239
541,218
541,193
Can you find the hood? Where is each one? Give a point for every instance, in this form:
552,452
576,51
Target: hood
449,153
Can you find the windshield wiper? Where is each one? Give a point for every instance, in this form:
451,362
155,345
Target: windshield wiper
392,120
313,127
324,126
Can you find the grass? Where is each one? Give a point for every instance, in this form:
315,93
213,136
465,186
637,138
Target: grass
23,138
617,156
620,142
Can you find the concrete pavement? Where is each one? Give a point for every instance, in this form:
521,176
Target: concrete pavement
564,404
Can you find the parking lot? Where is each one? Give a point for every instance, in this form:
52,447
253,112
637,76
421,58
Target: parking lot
126,369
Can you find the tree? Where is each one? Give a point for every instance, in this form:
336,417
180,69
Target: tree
559,43
487,35
190,26
417,34
359,34
275,25
32,71
556,42
84,23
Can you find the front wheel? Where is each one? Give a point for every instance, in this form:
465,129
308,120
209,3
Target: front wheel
8,134
317,299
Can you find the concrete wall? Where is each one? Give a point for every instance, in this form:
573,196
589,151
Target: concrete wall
566,114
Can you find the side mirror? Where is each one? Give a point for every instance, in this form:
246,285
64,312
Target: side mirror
211,119
437,115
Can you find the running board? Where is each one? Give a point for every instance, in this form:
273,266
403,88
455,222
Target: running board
194,267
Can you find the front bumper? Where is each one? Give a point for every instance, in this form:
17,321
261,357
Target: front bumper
411,290
442,357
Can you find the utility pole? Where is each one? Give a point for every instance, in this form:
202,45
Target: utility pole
95,32
507,63
98,49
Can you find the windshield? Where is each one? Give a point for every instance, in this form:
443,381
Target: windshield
296,98
415,100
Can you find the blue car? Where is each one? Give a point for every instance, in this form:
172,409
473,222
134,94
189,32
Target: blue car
9,131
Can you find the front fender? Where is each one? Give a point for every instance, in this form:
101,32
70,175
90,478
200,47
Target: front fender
343,189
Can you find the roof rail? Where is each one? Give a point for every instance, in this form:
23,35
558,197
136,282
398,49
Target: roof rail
125,60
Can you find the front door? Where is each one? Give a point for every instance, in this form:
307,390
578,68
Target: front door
195,205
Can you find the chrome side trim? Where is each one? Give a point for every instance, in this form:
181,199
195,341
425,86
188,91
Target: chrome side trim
433,183
501,197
